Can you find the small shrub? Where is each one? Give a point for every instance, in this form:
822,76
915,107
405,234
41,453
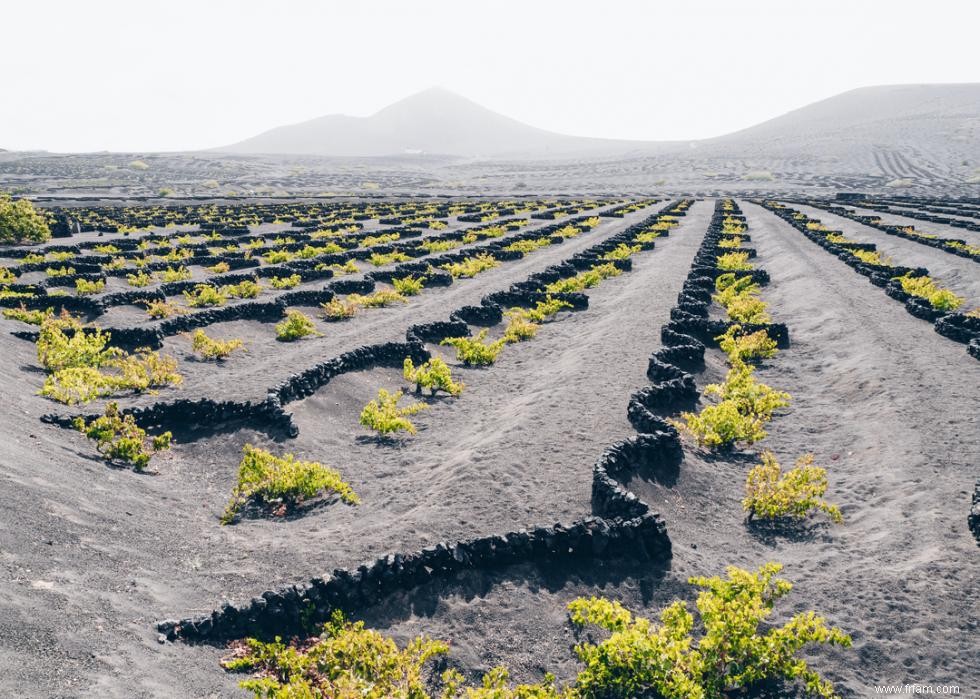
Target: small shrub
163,309
210,348
528,246
432,246
409,286
20,222
770,493
220,267
60,271
58,349
245,289
746,405
734,261
378,260
175,275
473,351
339,309
26,316
924,287
872,258
568,231
743,348
621,252
272,479
205,295
7,276
275,257
285,282
471,266
519,329
359,662
146,370
140,279
642,658
297,325
382,239
434,374
384,416
120,440
379,299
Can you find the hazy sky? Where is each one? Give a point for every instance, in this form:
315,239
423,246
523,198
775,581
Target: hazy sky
174,75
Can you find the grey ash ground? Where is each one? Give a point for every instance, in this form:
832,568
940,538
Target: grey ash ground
92,556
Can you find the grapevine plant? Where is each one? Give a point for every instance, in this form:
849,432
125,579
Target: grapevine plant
734,650
282,480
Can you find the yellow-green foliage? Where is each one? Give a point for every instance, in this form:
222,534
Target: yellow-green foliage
210,348
434,374
474,351
59,271
296,325
745,406
20,222
770,493
115,263
591,222
732,225
26,316
60,256
338,308
965,247
7,276
872,258
311,251
220,267
646,237
408,286
734,261
542,310
838,238
584,280
379,299
568,231
925,287
84,287
746,347
384,416
377,259
431,246
471,266
285,282
528,246
146,370
274,257
383,239
730,242
138,372
621,252
120,440
271,479
736,649
519,328
205,295
139,279
163,309
347,660
57,349
245,289
739,299
750,397
642,658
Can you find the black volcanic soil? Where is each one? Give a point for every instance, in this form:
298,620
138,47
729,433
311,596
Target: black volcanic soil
91,556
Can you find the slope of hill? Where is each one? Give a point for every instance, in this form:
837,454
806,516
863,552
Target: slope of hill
433,121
